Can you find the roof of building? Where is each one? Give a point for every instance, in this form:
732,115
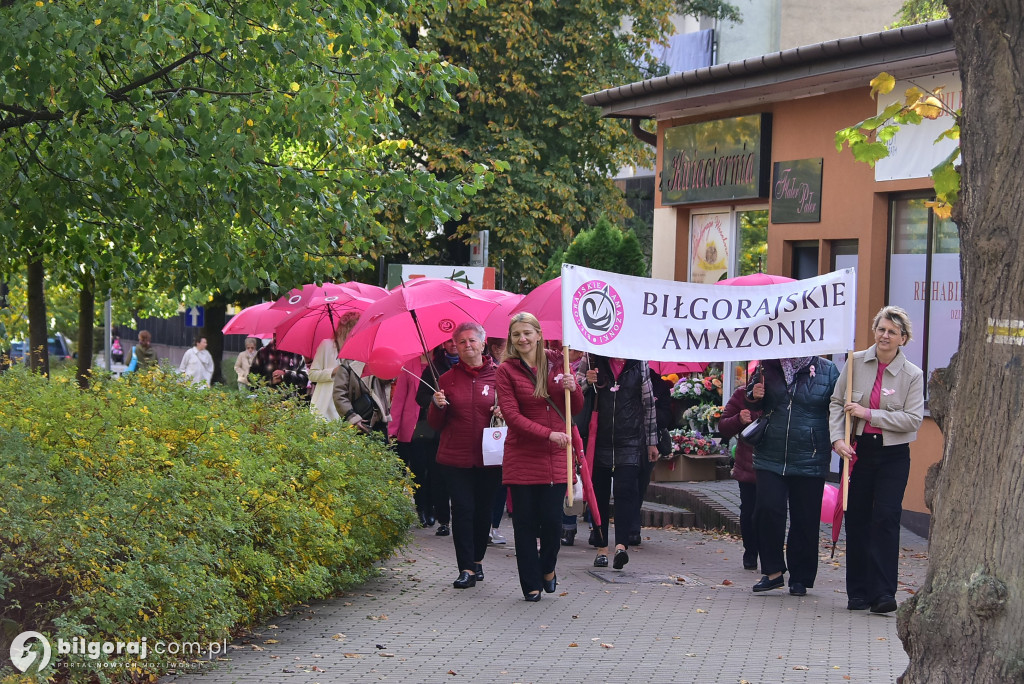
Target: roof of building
817,69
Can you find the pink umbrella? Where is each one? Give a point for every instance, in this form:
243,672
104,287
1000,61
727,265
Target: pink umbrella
413,319
755,279
666,367
303,330
371,292
258,321
832,505
297,298
545,302
496,324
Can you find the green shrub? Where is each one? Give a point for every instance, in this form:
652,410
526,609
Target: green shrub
146,508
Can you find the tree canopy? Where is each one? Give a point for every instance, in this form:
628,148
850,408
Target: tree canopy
605,247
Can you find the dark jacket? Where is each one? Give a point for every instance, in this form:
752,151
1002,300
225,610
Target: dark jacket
626,419
796,441
530,456
731,426
269,359
470,394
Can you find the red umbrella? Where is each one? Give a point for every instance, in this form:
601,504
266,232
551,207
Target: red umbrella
413,319
755,279
666,367
585,473
545,302
303,330
258,321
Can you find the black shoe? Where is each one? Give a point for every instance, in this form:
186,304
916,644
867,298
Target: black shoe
551,584
428,520
595,537
884,604
857,604
601,561
466,579
568,537
768,584
532,598
442,531
797,589
620,559
635,539
479,572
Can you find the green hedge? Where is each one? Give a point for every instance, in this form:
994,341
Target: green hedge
145,508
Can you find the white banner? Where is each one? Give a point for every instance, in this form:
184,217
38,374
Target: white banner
665,320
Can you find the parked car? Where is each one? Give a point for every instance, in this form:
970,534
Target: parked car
60,349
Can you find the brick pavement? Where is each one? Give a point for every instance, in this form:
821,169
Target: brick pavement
681,611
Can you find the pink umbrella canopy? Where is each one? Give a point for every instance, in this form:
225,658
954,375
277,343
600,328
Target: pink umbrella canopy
413,319
666,367
496,324
258,320
545,302
755,279
371,292
303,330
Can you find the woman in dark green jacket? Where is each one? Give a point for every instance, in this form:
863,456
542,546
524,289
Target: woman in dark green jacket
791,463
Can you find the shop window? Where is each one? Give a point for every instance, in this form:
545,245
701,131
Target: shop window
753,241
924,278
805,260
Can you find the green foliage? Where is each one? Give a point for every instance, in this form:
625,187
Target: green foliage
605,247
234,147
531,62
714,9
920,12
753,242
148,508
868,139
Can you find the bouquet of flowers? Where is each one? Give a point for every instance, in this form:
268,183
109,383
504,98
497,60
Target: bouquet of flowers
698,387
711,415
694,444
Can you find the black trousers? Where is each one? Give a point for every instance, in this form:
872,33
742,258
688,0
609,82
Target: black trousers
803,496
416,456
873,513
472,494
439,498
536,514
627,500
748,529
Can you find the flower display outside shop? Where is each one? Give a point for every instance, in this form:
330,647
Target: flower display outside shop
695,444
702,418
699,387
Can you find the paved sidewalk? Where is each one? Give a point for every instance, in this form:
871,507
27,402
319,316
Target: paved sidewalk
682,610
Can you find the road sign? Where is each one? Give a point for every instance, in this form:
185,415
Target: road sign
194,317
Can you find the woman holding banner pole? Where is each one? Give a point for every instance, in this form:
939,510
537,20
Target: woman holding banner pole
530,384
791,463
886,402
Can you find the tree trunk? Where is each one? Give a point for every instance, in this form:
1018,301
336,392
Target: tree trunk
39,348
966,622
216,312
86,322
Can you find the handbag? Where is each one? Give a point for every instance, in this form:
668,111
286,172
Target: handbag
494,440
363,404
664,442
754,433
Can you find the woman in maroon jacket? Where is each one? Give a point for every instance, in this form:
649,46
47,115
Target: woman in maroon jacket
535,464
460,410
735,417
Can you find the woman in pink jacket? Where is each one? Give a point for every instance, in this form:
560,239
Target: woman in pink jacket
534,465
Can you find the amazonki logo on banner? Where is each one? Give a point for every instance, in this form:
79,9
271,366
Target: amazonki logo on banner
598,311
31,652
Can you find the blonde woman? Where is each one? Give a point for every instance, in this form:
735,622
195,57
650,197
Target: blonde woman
534,464
887,407
325,367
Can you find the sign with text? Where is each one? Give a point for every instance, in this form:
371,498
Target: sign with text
716,160
796,191
913,151
665,320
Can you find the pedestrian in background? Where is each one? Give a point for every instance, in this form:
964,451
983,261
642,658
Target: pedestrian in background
735,417
244,362
443,358
197,364
887,407
144,356
534,465
282,370
325,366
415,440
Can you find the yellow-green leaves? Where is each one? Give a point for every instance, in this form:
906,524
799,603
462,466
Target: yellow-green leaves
882,83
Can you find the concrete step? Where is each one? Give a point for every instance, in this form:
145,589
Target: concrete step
662,515
709,514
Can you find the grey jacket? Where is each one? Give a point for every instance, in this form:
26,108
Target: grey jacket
348,386
901,406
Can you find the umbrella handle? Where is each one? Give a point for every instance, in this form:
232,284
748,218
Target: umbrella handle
568,426
847,428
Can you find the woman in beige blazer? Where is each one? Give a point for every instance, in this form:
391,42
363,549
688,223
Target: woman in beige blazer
887,406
